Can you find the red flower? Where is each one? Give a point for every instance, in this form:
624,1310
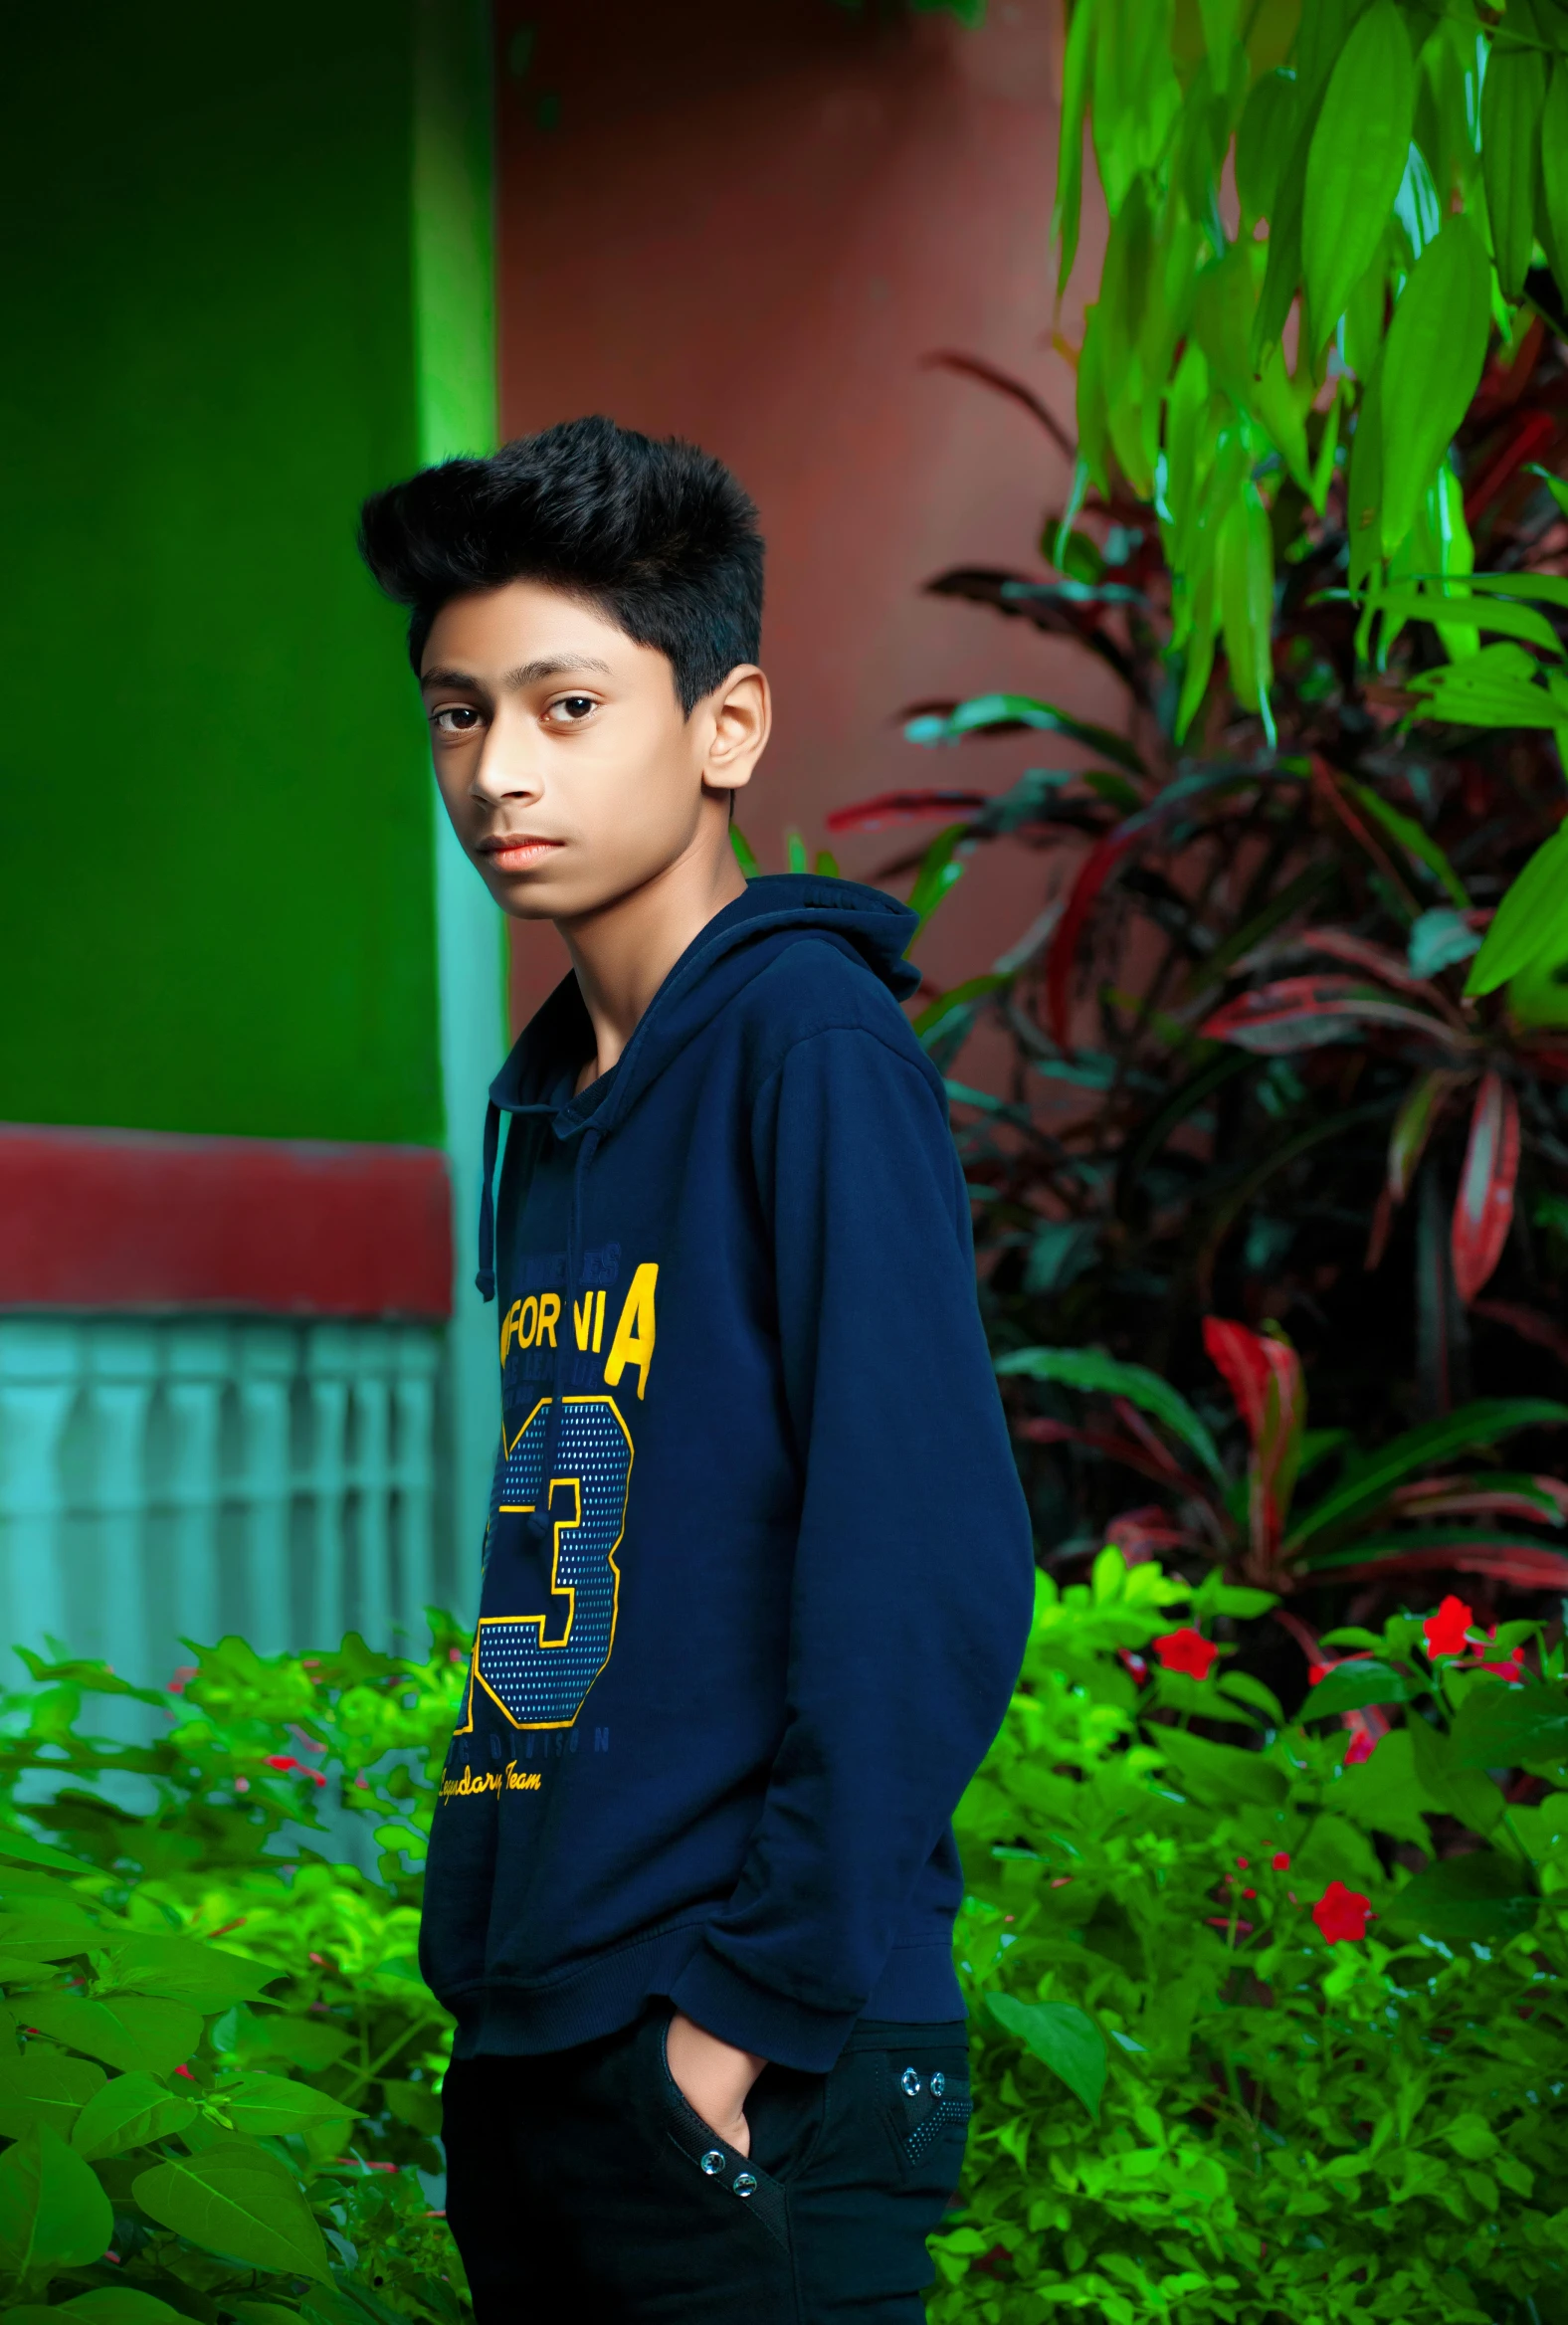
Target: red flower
1360,1747
281,1760
1135,1664
1448,1629
1316,1673
1281,1860
1186,1650
1341,1913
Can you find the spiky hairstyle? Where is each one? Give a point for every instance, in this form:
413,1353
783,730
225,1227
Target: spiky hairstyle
658,537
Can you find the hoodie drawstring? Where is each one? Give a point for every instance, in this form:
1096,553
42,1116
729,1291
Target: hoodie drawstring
484,1281
539,1521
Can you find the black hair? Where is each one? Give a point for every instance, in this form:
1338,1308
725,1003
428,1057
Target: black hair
657,536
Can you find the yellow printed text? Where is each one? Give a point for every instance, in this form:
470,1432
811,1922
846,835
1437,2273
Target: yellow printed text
633,1334
468,1785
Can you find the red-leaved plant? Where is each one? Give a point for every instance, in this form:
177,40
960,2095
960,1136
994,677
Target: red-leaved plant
1421,1502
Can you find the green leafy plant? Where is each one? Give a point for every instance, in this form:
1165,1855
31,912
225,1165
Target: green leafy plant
219,2069
1288,1037
1268,2017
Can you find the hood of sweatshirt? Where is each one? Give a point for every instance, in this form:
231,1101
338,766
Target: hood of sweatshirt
537,1080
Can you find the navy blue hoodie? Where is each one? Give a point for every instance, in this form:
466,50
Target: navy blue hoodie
736,1662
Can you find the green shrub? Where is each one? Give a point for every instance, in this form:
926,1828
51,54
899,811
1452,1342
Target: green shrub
1270,2019
1202,2092
234,2129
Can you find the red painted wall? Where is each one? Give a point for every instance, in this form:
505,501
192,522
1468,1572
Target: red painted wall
746,222
127,1219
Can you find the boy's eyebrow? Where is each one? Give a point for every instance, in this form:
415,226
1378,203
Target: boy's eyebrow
526,673
555,666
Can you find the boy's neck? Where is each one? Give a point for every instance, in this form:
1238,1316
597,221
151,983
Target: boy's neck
622,952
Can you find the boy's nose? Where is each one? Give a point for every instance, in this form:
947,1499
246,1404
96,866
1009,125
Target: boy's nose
506,770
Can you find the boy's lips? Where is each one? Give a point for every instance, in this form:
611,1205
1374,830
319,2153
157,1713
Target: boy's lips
516,850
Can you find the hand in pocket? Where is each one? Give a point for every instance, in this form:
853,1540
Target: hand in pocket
715,2078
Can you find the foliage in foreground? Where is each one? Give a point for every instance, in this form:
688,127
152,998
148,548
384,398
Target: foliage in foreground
1271,2031
231,2129
1271,2020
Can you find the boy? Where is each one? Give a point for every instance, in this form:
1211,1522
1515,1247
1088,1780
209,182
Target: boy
757,1573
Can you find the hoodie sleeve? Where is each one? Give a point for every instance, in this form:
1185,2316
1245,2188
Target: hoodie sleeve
913,1572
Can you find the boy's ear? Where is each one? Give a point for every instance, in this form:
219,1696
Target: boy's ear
740,716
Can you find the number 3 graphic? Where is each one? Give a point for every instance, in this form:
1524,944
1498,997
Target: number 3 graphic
539,1667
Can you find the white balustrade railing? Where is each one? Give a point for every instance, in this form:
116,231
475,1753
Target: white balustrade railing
187,1476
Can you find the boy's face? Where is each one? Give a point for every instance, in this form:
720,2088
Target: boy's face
571,775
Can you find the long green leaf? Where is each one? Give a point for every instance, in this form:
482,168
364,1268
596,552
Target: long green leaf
1284,270
1245,570
1532,918
1069,148
1550,589
1088,1368
1432,364
985,712
1512,102
940,872
26,1850
1553,220
1370,1481
1407,834
1364,485
1356,162
1482,1549
1491,688
1501,616
1264,140
964,996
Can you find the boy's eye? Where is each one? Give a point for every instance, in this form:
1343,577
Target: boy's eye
455,718
571,709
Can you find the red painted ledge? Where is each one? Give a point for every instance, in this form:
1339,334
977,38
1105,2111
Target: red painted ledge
128,1218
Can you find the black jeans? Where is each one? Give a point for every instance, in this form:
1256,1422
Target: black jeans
581,2185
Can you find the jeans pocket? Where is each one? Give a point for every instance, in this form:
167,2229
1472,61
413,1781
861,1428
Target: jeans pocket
927,2103
722,2167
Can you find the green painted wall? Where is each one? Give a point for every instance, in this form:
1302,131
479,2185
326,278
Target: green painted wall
214,823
